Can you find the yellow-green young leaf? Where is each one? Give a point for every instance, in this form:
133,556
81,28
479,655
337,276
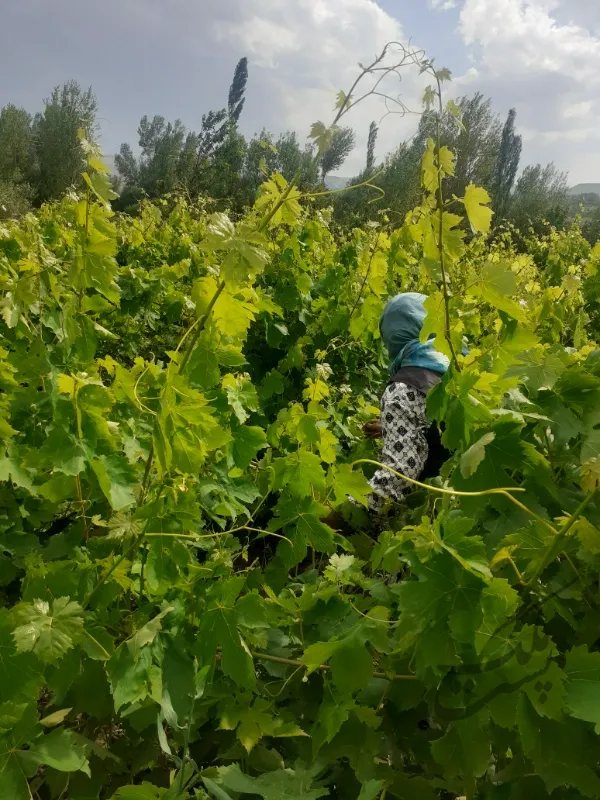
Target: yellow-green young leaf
473,457
315,390
588,535
454,110
271,193
56,718
429,170
145,791
496,282
475,202
446,159
327,445
321,136
366,318
429,97
48,630
435,323
590,475
343,100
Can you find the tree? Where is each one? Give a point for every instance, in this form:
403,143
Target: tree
57,145
476,143
372,140
237,90
340,146
212,132
17,162
127,165
540,196
157,171
17,156
285,155
399,179
507,166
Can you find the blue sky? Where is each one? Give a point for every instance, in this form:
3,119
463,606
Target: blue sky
176,58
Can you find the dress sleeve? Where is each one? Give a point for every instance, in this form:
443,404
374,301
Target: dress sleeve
405,448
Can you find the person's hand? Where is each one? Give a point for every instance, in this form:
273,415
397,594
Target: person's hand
372,429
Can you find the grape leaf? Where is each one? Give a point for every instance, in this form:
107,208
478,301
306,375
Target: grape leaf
247,442
316,533
63,750
145,791
351,483
218,630
47,630
282,784
117,480
472,458
583,685
351,667
475,202
463,750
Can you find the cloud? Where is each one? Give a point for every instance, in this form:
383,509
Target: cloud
442,5
543,57
304,52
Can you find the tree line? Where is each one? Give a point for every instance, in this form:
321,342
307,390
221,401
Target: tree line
40,158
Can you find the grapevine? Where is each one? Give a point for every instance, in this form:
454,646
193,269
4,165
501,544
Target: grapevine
177,619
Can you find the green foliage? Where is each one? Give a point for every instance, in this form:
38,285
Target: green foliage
182,403
68,110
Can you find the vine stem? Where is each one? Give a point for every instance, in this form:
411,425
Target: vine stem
365,278
505,492
325,667
199,325
440,193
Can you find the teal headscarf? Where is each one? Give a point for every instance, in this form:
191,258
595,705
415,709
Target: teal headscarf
400,327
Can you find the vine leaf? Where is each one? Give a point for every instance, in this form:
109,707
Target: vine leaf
472,458
218,632
583,685
47,630
281,784
316,533
321,136
480,216
351,483
63,750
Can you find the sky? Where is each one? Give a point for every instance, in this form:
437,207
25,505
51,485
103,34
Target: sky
176,58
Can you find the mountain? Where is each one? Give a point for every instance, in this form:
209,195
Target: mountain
334,182
585,188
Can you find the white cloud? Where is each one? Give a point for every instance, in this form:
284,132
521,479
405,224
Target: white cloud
442,5
308,50
543,57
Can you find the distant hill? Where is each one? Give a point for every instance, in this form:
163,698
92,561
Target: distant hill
333,182
585,188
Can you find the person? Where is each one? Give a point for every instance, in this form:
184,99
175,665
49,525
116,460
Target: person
411,445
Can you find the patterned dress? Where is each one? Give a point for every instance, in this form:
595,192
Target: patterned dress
405,449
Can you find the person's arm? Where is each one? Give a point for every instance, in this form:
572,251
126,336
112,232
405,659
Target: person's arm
405,449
